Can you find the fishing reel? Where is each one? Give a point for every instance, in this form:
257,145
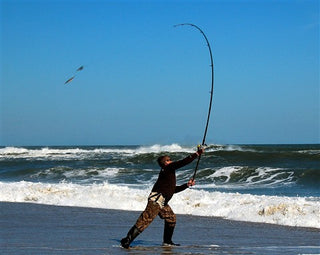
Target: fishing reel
201,146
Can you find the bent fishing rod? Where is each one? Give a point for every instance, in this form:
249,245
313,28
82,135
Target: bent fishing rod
211,92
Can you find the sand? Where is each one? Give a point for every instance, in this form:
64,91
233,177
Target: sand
27,228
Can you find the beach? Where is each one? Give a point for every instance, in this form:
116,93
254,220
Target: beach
83,200
28,228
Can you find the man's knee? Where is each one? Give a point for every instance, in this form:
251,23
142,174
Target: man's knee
168,215
172,219
147,216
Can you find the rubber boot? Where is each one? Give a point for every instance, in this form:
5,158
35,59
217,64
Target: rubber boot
167,235
132,234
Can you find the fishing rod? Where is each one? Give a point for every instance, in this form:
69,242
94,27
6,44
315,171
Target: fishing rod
211,92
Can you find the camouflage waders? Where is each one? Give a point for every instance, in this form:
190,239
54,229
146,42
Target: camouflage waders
150,213
153,209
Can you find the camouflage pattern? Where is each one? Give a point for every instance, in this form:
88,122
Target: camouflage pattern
150,213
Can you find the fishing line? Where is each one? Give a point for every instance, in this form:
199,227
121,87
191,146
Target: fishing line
211,92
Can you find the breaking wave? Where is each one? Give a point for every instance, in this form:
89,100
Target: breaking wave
289,211
276,184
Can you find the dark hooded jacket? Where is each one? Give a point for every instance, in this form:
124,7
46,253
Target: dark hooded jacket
166,183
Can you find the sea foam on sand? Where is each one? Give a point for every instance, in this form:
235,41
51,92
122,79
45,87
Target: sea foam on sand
290,211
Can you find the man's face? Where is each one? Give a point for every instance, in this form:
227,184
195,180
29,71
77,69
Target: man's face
167,161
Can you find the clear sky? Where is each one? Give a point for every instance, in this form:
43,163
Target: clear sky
145,82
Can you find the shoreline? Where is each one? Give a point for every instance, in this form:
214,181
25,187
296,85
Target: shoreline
178,214
28,228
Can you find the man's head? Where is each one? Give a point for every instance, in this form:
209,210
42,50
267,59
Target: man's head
164,161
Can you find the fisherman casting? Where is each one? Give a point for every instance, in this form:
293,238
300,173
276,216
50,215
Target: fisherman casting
160,195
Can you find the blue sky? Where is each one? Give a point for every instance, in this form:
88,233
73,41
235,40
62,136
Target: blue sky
145,82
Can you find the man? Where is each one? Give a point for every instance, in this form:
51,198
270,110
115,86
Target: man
161,193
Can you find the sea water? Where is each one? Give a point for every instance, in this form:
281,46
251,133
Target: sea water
278,184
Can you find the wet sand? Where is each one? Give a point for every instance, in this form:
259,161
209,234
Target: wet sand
27,228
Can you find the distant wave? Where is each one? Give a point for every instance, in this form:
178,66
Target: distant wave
65,152
231,167
70,152
291,211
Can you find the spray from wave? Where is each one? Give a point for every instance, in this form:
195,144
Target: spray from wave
245,207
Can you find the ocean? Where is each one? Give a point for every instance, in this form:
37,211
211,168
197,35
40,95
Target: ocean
278,184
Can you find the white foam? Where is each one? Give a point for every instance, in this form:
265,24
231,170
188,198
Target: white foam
65,152
12,150
72,153
225,172
68,194
100,173
291,211
265,176
229,147
54,153
157,148
311,152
